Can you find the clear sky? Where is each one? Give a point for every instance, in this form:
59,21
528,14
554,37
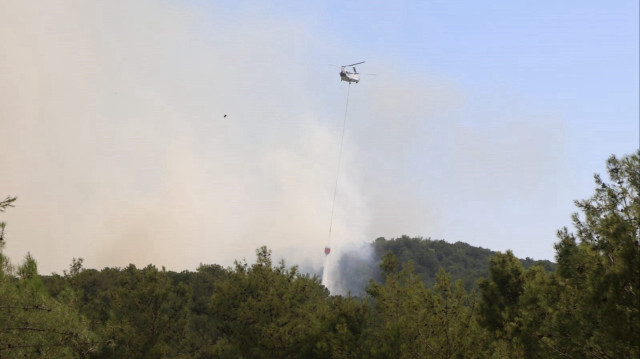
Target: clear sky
482,124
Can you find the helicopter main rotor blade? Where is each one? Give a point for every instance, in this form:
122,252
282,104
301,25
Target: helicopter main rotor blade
357,63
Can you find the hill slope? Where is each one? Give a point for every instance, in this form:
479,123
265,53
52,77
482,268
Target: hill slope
460,260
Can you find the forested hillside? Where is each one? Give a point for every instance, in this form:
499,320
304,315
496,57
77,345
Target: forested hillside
460,260
589,307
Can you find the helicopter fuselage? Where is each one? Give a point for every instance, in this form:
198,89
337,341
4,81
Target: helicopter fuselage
349,77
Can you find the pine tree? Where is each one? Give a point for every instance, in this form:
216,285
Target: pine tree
599,268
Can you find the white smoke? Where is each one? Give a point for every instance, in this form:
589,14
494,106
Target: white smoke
113,138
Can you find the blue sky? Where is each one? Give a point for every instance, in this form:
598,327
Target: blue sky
575,61
576,58
482,125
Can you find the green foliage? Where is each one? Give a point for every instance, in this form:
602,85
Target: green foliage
400,324
7,202
461,260
410,320
501,293
599,268
140,313
202,329
4,204
499,307
151,319
588,306
345,324
264,311
32,324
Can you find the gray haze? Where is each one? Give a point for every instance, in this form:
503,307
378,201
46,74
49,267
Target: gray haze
113,138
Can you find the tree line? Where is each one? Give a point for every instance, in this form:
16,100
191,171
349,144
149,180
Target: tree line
587,306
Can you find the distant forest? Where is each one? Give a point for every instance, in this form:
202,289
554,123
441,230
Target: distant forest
426,299
460,260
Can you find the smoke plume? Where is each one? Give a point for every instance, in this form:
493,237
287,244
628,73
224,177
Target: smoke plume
114,139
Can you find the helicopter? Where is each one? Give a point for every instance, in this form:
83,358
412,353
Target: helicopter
350,76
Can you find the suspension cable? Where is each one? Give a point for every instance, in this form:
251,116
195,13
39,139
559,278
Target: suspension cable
335,187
